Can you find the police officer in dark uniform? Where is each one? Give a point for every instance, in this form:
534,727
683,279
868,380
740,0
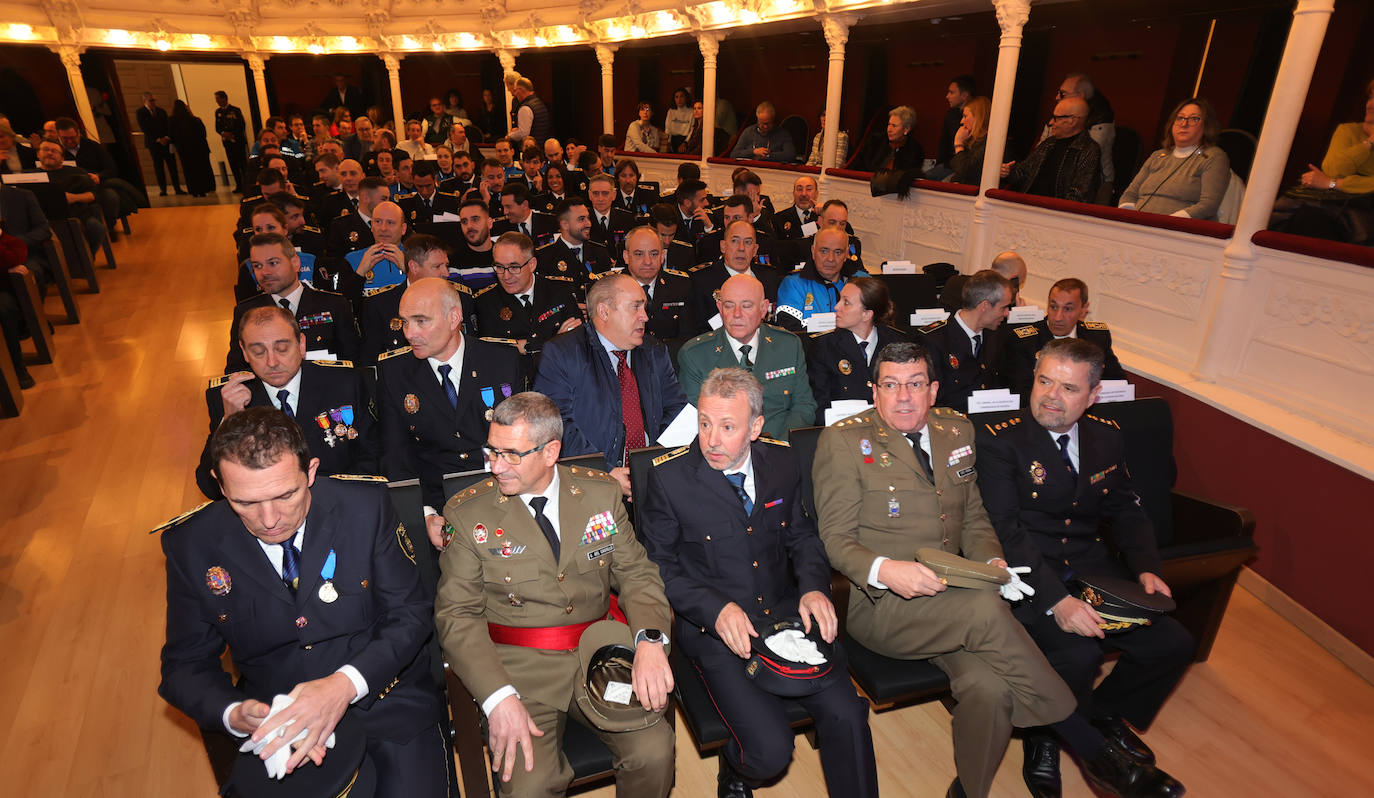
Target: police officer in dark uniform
680,255
272,217
524,309
1050,476
1064,318
233,133
964,346
739,207
571,253
610,222
839,361
723,520
353,228
427,202
667,292
325,318
738,252
791,223
383,327
517,215
319,598
434,396
322,396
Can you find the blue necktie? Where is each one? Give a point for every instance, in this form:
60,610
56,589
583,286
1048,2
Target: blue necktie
290,564
449,390
283,399
737,481
1064,453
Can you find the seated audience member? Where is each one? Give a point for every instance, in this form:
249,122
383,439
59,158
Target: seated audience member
839,361
459,140
1100,124
818,145
1348,165
79,189
559,184
505,155
835,213
490,181
352,230
694,213
642,136
271,217
532,164
13,156
427,202
764,140
815,288
344,201
901,152
382,325
116,196
632,197
519,217
553,152
738,250
615,387
433,397
749,184
500,643
571,253
1029,474
734,208
1064,318
472,260
791,223
363,665
957,95
964,348
605,151
443,159
436,123
328,182
677,121
610,222
462,179
12,324
280,377
269,182
382,263
743,340
325,318
1066,165
404,183
415,145
523,308
1008,264
1190,175
667,292
748,492
691,144
970,142
664,218
22,217
384,164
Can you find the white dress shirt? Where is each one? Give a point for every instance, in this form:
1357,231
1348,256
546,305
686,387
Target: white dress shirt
293,389
753,346
1073,443
747,469
293,298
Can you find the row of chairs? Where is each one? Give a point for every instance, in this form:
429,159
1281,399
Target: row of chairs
1203,544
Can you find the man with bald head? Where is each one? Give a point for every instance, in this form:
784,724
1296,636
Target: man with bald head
1066,165
816,287
614,385
383,263
553,153
668,292
792,222
739,249
1008,264
434,397
772,354
344,201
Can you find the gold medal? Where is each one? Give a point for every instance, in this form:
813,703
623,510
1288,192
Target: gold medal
411,403
562,265
327,593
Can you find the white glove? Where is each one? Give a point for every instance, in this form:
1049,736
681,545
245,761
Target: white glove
1015,590
276,764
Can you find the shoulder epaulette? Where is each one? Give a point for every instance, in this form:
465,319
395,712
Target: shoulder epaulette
935,325
246,231
592,473
344,212
558,277
461,288
545,246
216,382
307,228
179,519
370,292
950,413
342,364
678,452
254,198
1109,422
678,243
675,272
823,332
482,291
448,194
1001,425
774,441
1095,325
594,276
699,267
358,478
393,353
702,337
474,491
1027,331
326,291
510,341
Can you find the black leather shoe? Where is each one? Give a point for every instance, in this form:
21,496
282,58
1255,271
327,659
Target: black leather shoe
956,790
1040,768
728,783
1115,729
1115,772
26,380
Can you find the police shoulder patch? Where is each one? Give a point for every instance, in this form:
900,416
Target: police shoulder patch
343,364
218,382
358,478
1095,325
163,527
393,353
678,452
1027,331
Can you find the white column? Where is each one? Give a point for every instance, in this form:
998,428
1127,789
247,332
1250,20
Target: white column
1011,18
258,65
71,59
836,30
1222,345
507,58
710,48
393,74
605,55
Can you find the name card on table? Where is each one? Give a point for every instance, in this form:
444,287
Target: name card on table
992,400
1025,314
920,317
683,429
820,322
1116,391
448,217
899,267
24,177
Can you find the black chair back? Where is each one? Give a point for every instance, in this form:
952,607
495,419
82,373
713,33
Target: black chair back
1239,146
800,132
641,460
803,442
1127,152
451,233
911,291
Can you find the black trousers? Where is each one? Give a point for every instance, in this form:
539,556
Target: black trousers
12,323
164,159
1153,659
761,739
421,768
237,154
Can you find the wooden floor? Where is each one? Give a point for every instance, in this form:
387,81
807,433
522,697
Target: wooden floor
105,450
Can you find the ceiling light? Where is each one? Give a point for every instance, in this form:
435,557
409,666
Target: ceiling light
18,31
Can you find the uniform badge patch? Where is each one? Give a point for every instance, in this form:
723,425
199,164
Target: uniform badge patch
217,579
411,403
407,548
505,314
1037,472
352,236
953,362
479,534
396,324
845,367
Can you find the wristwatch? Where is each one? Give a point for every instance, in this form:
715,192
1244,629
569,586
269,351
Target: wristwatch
1333,184
651,635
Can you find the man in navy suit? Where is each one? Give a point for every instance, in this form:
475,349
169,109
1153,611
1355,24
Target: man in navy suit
615,386
723,520
313,587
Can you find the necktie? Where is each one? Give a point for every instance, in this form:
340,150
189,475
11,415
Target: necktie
863,347
744,360
525,300
630,408
577,254
283,398
921,456
290,564
648,294
737,482
354,202
977,343
545,525
286,303
525,228
1064,453
449,390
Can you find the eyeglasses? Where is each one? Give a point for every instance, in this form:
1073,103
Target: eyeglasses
1187,120
513,458
888,386
1061,94
510,268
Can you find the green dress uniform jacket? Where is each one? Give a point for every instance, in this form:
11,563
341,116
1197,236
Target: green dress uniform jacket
779,365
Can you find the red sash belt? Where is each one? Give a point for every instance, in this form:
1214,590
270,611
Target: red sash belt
555,638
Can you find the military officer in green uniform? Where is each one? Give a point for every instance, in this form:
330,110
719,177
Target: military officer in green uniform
534,555
773,354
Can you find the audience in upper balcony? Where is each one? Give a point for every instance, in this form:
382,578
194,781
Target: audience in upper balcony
1348,165
818,146
970,142
764,140
415,145
677,122
642,136
1100,124
691,145
1066,164
1190,174
960,91
902,151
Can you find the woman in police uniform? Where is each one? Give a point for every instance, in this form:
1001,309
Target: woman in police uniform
838,363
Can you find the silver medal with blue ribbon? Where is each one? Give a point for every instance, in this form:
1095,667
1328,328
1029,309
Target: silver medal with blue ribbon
328,593
489,399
